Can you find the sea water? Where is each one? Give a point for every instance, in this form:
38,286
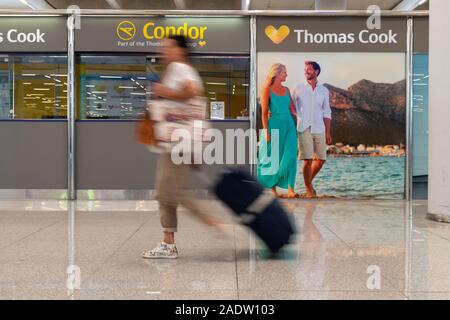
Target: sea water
359,177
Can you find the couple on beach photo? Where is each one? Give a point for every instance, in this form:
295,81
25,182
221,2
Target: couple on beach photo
301,124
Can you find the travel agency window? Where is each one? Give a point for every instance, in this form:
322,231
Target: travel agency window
5,88
40,87
112,87
226,81
33,105
117,86
33,68
116,74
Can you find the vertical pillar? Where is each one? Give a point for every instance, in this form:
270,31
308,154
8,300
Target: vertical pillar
439,112
252,107
409,105
71,192
253,126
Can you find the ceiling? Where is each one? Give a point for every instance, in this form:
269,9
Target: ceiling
310,4
195,4
12,4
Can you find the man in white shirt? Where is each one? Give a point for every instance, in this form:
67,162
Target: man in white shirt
312,101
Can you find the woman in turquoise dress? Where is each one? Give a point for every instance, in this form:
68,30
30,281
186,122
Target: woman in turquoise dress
277,158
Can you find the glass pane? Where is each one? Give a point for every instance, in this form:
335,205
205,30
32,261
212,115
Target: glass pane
40,87
5,89
116,87
420,115
113,87
420,126
226,80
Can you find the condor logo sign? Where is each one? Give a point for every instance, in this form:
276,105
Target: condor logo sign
126,31
15,36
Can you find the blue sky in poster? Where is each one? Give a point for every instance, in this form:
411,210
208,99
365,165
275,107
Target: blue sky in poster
339,69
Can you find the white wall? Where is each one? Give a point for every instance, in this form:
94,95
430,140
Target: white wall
439,112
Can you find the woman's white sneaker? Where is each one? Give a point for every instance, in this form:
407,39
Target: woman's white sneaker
162,251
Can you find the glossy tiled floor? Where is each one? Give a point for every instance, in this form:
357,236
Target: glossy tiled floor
345,250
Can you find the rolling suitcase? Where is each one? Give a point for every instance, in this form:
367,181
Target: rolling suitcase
256,209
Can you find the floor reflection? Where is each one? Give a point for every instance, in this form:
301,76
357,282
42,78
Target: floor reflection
339,244
92,251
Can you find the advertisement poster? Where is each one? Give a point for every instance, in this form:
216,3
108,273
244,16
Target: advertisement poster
217,110
4,95
366,92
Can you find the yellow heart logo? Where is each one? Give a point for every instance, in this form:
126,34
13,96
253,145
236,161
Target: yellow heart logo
277,35
202,43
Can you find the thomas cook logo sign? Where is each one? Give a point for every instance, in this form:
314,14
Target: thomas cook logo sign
277,35
305,36
151,34
15,36
126,30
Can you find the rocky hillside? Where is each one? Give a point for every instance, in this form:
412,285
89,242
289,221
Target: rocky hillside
369,113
